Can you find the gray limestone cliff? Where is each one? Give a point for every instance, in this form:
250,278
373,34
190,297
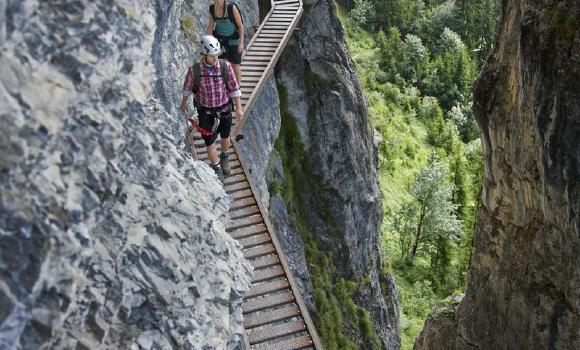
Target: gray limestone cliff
311,152
111,236
524,282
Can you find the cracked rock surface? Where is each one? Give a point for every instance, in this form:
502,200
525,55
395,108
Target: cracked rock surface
110,234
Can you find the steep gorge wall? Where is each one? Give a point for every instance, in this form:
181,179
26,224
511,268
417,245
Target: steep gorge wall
524,282
314,159
110,234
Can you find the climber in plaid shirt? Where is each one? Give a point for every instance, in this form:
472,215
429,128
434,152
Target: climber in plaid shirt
213,100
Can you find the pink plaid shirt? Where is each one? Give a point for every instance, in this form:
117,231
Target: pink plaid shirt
212,92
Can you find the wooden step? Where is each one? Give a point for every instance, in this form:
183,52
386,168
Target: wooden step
296,343
283,13
259,251
267,287
248,231
241,203
236,186
258,49
243,222
248,85
286,2
255,240
250,79
280,10
261,45
272,35
255,54
240,213
252,71
269,301
204,155
265,262
275,26
284,7
235,171
267,40
234,179
270,316
277,331
268,274
255,72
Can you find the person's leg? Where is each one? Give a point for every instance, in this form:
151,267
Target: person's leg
214,161
206,122
238,72
235,59
225,128
212,153
225,144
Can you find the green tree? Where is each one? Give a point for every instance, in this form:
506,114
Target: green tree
479,25
414,59
362,11
436,19
397,13
462,116
431,210
455,71
391,52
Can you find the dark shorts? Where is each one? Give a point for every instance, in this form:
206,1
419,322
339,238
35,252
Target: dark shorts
206,120
232,54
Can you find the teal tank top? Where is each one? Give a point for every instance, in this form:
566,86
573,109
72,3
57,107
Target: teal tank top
225,28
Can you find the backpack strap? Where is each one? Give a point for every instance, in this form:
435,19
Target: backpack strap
196,68
224,71
230,12
233,19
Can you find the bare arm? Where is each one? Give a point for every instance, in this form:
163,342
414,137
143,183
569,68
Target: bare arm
240,26
210,24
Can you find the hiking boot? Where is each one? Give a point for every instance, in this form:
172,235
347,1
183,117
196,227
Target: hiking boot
218,171
225,163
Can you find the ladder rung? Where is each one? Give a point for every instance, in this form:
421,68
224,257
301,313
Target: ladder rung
267,288
264,262
255,240
277,331
266,302
270,316
256,252
248,231
296,343
268,274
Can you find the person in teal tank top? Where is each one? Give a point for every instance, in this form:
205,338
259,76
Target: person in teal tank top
225,23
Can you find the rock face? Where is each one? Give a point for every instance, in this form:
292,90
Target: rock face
337,178
110,234
524,283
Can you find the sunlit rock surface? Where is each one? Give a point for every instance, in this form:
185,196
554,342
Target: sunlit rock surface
110,234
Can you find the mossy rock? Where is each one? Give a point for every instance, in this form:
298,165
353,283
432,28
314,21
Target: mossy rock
189,29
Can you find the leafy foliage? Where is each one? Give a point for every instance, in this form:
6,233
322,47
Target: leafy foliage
417,60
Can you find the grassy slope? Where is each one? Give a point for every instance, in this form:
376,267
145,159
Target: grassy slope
403,152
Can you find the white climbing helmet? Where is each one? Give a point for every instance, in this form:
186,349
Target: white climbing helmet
210,46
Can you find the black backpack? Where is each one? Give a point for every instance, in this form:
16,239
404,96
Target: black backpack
230,11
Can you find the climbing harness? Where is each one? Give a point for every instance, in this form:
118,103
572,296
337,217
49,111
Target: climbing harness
203,131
